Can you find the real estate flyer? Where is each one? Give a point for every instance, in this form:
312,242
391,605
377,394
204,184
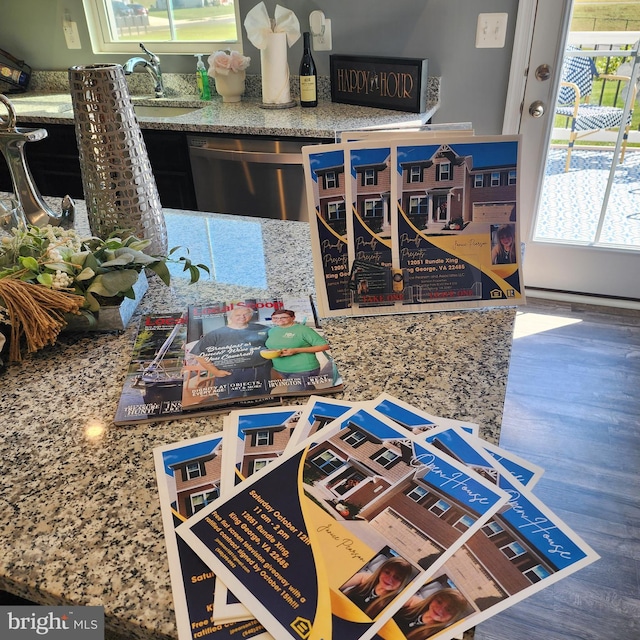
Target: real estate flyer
299,552
523,549
188,477
435,221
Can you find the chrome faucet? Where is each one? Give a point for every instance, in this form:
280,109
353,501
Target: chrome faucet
152,65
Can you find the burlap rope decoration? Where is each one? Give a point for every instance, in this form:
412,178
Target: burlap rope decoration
35,312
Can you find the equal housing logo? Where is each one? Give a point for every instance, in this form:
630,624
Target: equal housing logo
52,623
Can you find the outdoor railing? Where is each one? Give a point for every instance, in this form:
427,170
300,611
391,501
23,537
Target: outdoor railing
609,46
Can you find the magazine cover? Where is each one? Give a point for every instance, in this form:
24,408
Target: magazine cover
252,351
188,477
152,388
343,505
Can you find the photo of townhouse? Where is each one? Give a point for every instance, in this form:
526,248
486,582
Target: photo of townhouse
254,438
395,488
445,188
196,475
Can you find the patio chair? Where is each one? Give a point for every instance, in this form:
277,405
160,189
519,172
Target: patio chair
578,74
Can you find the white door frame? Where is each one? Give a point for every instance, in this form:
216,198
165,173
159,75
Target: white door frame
523,90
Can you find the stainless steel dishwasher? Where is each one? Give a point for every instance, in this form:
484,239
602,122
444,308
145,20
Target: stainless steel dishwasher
252,176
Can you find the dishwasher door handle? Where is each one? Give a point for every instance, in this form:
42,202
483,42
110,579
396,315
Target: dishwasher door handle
247,156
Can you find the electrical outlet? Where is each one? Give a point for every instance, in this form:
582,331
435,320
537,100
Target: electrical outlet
322,42
492,30
71,34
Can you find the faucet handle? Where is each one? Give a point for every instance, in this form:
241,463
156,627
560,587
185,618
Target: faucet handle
152,56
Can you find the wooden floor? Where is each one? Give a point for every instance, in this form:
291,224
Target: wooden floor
573,406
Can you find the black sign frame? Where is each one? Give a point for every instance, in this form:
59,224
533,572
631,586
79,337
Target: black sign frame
385,83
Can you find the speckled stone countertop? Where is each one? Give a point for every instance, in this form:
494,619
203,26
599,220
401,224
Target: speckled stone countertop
81,518
48,101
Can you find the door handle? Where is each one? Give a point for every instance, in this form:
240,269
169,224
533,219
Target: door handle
536,109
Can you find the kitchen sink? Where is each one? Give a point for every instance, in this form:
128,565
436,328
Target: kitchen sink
162,111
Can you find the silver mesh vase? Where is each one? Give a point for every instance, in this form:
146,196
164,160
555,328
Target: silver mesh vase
119,187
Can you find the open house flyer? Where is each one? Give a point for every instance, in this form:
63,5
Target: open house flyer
294,551
421,225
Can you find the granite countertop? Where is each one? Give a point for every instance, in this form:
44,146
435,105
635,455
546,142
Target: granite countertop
49,101
82,522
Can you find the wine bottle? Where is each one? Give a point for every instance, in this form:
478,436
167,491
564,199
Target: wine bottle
308,75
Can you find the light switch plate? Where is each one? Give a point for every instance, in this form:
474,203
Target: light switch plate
71,34
322,42
492,30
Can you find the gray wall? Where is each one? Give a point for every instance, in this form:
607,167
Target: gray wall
474,81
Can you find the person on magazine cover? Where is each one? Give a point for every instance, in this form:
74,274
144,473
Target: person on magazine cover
504,249
372,592
298,345
232,355
421,618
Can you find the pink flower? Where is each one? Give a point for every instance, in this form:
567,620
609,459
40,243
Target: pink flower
222,62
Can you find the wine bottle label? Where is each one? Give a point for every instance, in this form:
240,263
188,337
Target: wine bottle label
308,88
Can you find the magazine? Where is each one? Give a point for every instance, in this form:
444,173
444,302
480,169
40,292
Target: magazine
254,350
152,388
295,539
153,385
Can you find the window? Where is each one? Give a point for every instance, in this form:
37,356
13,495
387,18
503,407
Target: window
386,458
194,470
418,205
440,507
328,462
372,208
259,464
495,179
478,180
513,550
444,171
263,438
355,438
167,26
512,177
537,573
415,174
492,528
369,177
201,500
417,493
464,523
330,180
336,211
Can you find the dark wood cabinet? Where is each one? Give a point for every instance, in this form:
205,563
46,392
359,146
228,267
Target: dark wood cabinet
55,165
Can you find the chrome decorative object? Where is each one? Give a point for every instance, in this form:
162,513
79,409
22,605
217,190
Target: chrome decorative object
30,202
119,187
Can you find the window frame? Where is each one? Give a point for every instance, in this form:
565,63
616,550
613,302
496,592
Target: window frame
206,498
194,470
336,210
384,458
98,24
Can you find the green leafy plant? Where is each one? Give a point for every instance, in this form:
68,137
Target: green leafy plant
101,271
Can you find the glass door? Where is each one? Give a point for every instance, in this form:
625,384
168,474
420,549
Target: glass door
581,226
